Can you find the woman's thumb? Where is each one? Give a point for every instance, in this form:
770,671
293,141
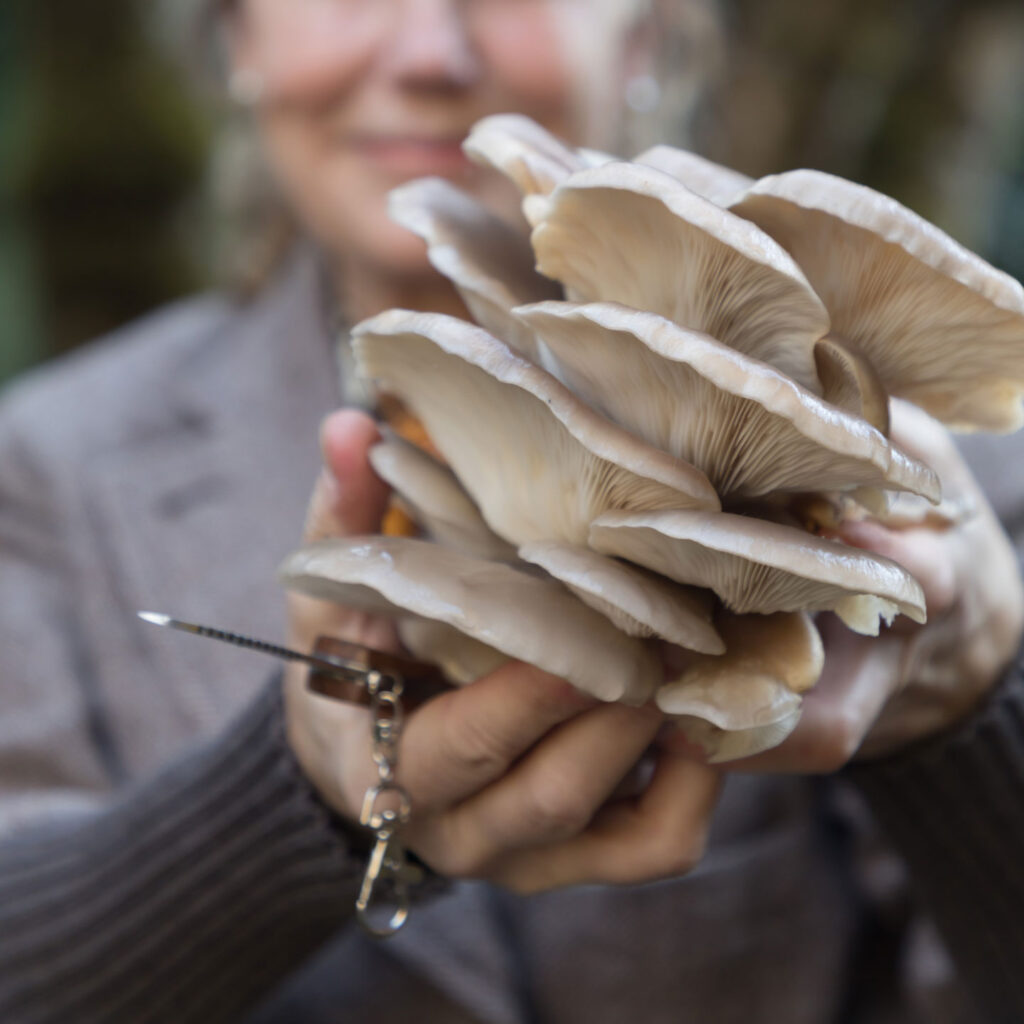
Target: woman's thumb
349,498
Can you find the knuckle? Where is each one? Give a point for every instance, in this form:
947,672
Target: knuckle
555,809
454,863
546,697
473,743
675,855
449,852
835,742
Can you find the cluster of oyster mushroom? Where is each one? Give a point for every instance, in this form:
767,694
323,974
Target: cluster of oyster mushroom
666,373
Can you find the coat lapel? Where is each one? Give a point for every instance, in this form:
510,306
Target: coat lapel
199,510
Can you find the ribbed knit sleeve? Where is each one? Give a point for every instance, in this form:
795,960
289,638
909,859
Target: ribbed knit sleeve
954,808
185,901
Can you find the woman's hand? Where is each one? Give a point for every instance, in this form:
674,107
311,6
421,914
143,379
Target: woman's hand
512,778
878,695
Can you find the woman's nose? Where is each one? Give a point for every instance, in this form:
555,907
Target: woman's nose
431,46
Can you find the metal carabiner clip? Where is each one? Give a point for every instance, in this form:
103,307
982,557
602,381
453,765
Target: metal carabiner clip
361,675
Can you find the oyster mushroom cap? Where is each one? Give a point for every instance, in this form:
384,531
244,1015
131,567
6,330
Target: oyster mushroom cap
524,151
750,695
721,745
537,621
849,381
462,659
639,602
748,699
719,185
488,261
635,235
436,500
750,428
778,652
943,329
755,565
539,464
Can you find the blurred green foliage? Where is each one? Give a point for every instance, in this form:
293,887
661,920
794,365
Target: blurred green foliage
103,145
102,153
921,99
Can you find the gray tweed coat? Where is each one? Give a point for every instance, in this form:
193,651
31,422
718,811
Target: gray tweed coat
168,468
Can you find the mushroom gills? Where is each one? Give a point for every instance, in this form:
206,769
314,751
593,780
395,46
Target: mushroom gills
637,601
758,566
849,381
750,428
941,327
433,496
537,462
634,235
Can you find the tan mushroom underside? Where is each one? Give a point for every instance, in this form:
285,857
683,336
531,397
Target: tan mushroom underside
747,426
630,234
538,463
435,499
942,328
759,566
849,381
639,602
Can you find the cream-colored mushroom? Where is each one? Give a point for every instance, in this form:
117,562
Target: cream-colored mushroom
535,620
759,566
721,745
462,659
750,428
719,185
635,235
524,151
538,463
489,262
434,498
943,328
849,381
639,602
750,695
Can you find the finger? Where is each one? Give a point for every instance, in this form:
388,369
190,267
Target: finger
920,435
661,834
556,789
925,553
860,676
460,742
349,498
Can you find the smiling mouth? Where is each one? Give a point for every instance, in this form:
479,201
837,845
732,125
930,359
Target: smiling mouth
412,156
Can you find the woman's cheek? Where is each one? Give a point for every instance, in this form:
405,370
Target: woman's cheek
529,57
310,60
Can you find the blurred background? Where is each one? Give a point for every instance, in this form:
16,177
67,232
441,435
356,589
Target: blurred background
105,138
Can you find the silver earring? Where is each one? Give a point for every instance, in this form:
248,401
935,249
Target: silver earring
246,87
643,94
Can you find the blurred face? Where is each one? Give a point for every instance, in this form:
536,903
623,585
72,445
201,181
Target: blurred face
358,96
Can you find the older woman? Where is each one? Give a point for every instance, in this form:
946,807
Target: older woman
181,847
